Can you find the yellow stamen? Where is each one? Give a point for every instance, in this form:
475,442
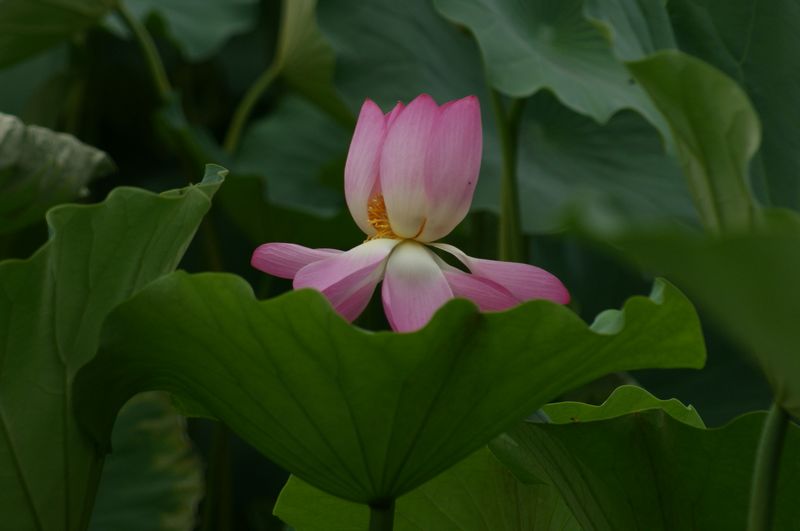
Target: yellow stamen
379,219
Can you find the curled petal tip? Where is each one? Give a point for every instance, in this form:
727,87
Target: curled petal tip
523,281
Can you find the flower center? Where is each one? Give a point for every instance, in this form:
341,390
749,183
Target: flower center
379,219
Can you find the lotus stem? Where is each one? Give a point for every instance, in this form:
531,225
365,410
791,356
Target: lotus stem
764,485
381,516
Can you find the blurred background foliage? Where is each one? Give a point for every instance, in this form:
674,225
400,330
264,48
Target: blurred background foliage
586,143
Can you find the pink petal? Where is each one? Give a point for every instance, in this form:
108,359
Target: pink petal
487,295
286,259
402,166
414,287
353,303
524,281
348,279
451,166
390,117
361,168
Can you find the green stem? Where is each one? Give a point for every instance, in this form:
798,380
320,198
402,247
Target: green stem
156,68
218,503
511,241
765,477
246,106
381,517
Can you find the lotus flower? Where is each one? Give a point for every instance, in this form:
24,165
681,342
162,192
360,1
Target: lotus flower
409,180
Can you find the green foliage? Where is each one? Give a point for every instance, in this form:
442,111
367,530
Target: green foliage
54,23
23,84
716,130
294,149
640,463
571,163
749,41
748,282
304,58
51,310
539,44
387,52
153,479
251,364
199,28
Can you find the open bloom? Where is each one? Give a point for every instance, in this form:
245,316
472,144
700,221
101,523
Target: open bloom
409,180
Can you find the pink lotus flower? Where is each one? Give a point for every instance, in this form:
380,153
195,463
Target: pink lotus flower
409,180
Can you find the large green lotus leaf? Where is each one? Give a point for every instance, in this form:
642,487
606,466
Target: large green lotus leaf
716,131
51,310
40,168
295,149
416,51
529,46
365,416
640,463
199,28
752,43
748,282
153,480
389,51
477,494
570,163
30,26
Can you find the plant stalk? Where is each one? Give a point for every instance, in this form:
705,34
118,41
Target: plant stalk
245,107
511,240
381,517
218,503
767,468
154,64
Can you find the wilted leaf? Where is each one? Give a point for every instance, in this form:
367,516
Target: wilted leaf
40,168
